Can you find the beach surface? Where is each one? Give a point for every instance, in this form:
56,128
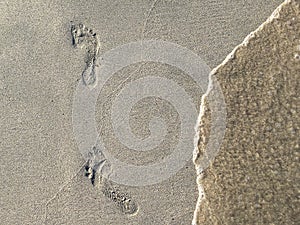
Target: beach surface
254,177
44,179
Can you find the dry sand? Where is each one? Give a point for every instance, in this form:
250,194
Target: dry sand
42,170
255,177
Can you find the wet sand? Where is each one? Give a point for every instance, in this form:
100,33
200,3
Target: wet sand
254,178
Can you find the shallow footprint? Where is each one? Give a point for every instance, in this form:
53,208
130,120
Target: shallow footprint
84,37
123,200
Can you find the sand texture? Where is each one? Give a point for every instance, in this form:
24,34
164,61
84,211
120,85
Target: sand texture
44,177
255,177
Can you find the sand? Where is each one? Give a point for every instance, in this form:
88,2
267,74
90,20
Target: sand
42,170
254,179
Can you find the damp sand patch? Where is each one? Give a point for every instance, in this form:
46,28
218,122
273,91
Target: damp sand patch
254,178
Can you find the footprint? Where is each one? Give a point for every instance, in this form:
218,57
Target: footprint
85,38
123,200
97,165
